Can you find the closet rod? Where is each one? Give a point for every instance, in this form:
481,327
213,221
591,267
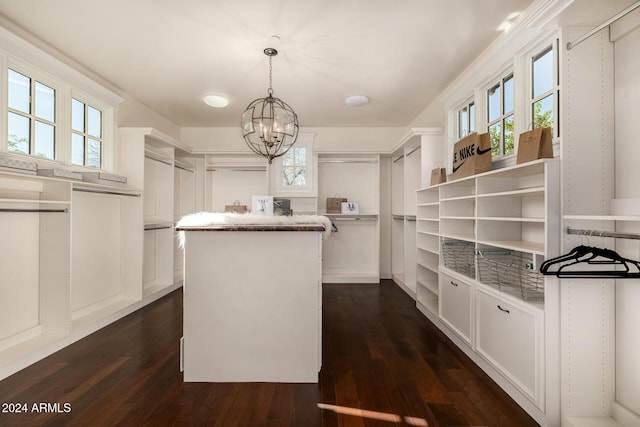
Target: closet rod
235,170
34,210
599,233
412,151
159,227
166,162
354,219
571,45
398,217
347,161
116,193
398,159
184,168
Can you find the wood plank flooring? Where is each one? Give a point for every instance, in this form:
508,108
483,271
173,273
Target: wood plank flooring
384,364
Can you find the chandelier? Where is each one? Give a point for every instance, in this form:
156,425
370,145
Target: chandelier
269,125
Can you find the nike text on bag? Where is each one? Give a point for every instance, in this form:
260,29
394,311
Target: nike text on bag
472,155
535,144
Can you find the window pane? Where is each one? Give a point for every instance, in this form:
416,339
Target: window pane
508,95
543,112
94,153
462,122
45,102
77,149
18,135
287,159
19,92
508,135
493,98
94,119
543,73
44,140
301,156
300,177
77,115
472,118
495,134
287,176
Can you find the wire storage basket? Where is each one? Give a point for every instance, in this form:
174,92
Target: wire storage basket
459,256
511,272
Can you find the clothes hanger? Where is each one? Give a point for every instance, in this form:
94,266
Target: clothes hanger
591,263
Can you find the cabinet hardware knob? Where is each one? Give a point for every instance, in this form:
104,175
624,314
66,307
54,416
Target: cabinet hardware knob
503,309
453,283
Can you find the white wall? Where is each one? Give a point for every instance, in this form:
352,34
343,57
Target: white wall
365,140
135,114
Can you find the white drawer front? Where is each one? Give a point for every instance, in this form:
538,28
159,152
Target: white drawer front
509,338
455,305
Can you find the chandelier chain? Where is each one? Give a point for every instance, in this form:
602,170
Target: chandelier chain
270,91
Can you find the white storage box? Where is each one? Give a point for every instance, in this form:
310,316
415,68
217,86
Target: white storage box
350,208
60,173
104,178
20,166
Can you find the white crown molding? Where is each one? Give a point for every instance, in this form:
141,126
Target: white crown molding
15,41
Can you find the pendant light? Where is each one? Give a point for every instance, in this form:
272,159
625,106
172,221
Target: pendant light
269,125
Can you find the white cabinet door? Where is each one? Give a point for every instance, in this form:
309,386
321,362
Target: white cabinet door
510,336
455,305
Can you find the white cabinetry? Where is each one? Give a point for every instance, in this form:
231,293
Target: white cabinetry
484,238
352,254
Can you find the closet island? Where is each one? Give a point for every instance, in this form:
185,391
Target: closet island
252,298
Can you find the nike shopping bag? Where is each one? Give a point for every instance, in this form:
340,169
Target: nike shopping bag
471,155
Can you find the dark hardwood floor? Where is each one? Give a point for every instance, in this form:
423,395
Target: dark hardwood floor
384,364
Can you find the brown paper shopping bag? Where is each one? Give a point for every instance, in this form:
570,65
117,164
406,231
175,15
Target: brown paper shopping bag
334,204
438,174
472,155
535,144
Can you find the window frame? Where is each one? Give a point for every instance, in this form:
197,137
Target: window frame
304,141
502,114
539,51
85,134
34,76
469,105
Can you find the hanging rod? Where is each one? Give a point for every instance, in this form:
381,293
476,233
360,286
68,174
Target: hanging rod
346,161
184,168
353,219
398,217
223,169
157,227
116,193
410,217
600,233
157,157
412,151
399,158
571,45
34,210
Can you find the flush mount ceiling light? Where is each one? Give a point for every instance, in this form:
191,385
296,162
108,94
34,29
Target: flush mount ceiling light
356,100
269,125
216,101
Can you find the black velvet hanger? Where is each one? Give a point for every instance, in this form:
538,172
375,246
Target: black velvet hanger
589,262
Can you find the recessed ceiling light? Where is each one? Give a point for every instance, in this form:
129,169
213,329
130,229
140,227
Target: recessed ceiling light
216,101
356,100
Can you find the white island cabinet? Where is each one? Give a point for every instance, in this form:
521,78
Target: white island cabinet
252,303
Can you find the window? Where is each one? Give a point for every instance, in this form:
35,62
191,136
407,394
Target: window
294,168
86,134
543,88
500,116
466,119
31,117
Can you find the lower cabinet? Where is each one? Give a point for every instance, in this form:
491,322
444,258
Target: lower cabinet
455,305
510,337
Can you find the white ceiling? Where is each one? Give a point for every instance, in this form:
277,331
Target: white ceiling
169,54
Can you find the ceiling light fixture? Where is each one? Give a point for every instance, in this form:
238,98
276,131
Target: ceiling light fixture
216,101
269,125
356,100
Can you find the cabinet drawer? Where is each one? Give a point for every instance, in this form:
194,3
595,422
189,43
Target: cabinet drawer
455,305
510,338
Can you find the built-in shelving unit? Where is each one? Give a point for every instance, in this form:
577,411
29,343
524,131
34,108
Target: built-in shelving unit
480,241
352,254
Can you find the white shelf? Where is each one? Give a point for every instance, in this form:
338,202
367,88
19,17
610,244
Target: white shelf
456,198
511,219
38,201
429,204
428,219
429,250
429,233
468,238
602,217
521,192
458,217
521,246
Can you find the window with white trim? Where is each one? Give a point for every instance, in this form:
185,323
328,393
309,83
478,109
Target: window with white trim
86,134
466,117
31,116
293,172
544,89
500,116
